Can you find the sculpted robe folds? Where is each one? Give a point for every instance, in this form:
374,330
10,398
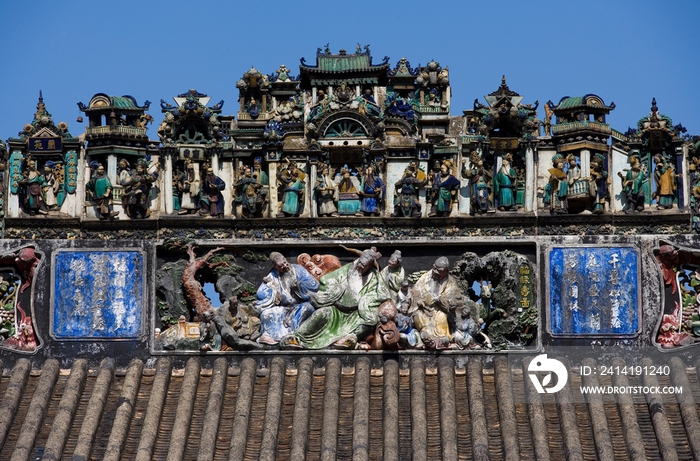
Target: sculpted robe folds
283,301
213,185
34,196
505,181
666,184
435,299
444,187
393,278
438,294
292,197
345,301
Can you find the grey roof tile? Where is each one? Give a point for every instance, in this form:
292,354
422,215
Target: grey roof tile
427,410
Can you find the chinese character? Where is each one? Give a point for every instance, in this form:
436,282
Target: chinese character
571,261
524,302
614,260
614,278
524,291
524,269
52,144
591,262
524,279
593,291
37,144
615,308
573,305
570,277
594,277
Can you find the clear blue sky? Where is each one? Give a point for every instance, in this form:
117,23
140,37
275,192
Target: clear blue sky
623,51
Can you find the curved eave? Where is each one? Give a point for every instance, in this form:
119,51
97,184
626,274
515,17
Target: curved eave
583,107
573,103
125,103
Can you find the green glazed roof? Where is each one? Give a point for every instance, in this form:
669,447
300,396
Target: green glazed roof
122,102
101,102
589,101
568,103
343,63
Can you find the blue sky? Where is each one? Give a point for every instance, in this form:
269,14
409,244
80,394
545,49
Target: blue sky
623,51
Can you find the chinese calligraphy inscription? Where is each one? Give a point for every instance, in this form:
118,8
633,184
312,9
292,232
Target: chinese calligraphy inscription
593,291
98,294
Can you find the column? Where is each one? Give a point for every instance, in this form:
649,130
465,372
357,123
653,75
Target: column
112,168
311,183
394,172
226,172
82,184
12,199
274,202
684,198
168,183
464,204
422,199
585,163
530,180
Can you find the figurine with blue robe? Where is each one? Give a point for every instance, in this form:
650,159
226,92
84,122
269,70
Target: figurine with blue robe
372,192
283,299
212,199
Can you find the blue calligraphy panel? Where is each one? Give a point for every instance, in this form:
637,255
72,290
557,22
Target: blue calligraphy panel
97,294
41,144
593,291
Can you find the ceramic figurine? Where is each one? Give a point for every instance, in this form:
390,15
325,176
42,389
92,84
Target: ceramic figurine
137,191
212,200
406,203
505,184
33,188
557,187
291,184
599,183
480,179
435,297
101,188
394,275
53,189
283,299
249,194
326,191
372,192
445,187
348,194
346,305
666,184
189,187
632,183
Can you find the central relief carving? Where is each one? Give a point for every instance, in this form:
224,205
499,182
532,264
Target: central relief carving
343,298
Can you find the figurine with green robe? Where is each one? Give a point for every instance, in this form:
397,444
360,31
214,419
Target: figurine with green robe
632,183
347,304
101,188
291,184
505,183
